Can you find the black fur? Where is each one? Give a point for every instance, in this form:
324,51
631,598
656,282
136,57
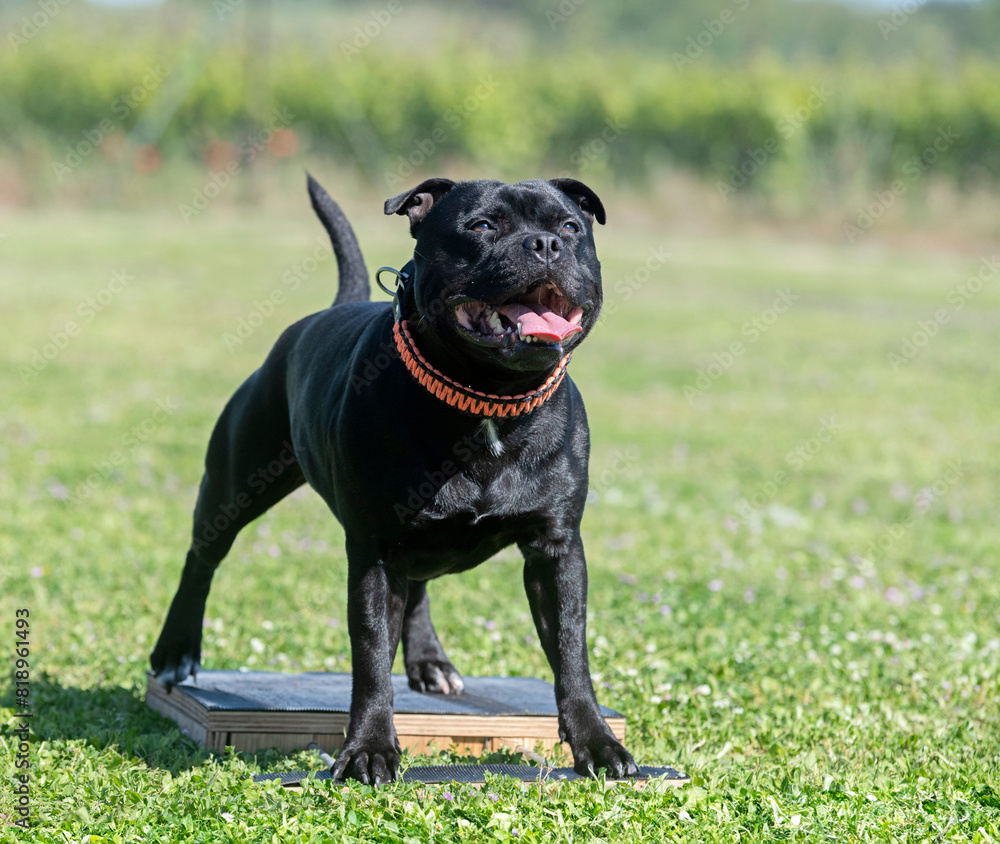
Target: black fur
354,286
422,489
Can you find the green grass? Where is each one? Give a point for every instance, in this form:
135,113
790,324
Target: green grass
824,663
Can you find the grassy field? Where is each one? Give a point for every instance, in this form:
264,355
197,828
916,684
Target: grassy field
794,585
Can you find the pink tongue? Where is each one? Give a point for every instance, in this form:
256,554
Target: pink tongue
538,321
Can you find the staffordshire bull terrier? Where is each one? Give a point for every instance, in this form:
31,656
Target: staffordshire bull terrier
439,431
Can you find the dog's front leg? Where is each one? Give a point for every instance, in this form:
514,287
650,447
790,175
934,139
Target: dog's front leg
555,578
375,602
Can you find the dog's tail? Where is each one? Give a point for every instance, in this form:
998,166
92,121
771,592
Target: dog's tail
354,286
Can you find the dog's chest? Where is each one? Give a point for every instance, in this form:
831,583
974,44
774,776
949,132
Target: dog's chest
468,520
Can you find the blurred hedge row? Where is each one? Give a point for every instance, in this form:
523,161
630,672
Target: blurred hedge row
393,114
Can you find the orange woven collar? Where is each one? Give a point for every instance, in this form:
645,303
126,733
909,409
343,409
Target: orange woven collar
471,401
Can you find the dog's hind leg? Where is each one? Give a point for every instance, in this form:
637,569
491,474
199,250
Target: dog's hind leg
249,467
427,666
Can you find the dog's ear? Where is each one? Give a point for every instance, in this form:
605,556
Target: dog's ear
417,202
589,202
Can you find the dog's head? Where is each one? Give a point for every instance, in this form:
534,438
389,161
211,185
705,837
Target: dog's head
506,276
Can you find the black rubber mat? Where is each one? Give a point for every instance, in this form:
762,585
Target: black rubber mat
273,691
476,774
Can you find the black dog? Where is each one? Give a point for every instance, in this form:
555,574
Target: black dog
438,431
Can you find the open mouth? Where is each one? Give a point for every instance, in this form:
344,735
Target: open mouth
542,314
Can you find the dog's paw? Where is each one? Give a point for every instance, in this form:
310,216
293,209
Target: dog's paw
173,665
368,764
174,673
604,752
435,676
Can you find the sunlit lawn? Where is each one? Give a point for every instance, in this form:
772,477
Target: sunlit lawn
792,541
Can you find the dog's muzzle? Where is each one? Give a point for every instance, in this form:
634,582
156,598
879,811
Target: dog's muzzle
542,314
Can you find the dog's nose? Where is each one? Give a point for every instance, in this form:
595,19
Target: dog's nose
545,246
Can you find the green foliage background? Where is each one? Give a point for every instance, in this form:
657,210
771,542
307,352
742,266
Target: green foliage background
843,106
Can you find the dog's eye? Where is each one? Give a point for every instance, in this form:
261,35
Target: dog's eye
482,226
571,227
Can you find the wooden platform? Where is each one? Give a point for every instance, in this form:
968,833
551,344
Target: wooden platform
259,709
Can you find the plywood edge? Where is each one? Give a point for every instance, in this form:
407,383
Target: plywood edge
218,728
179,702
188,725
533,726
